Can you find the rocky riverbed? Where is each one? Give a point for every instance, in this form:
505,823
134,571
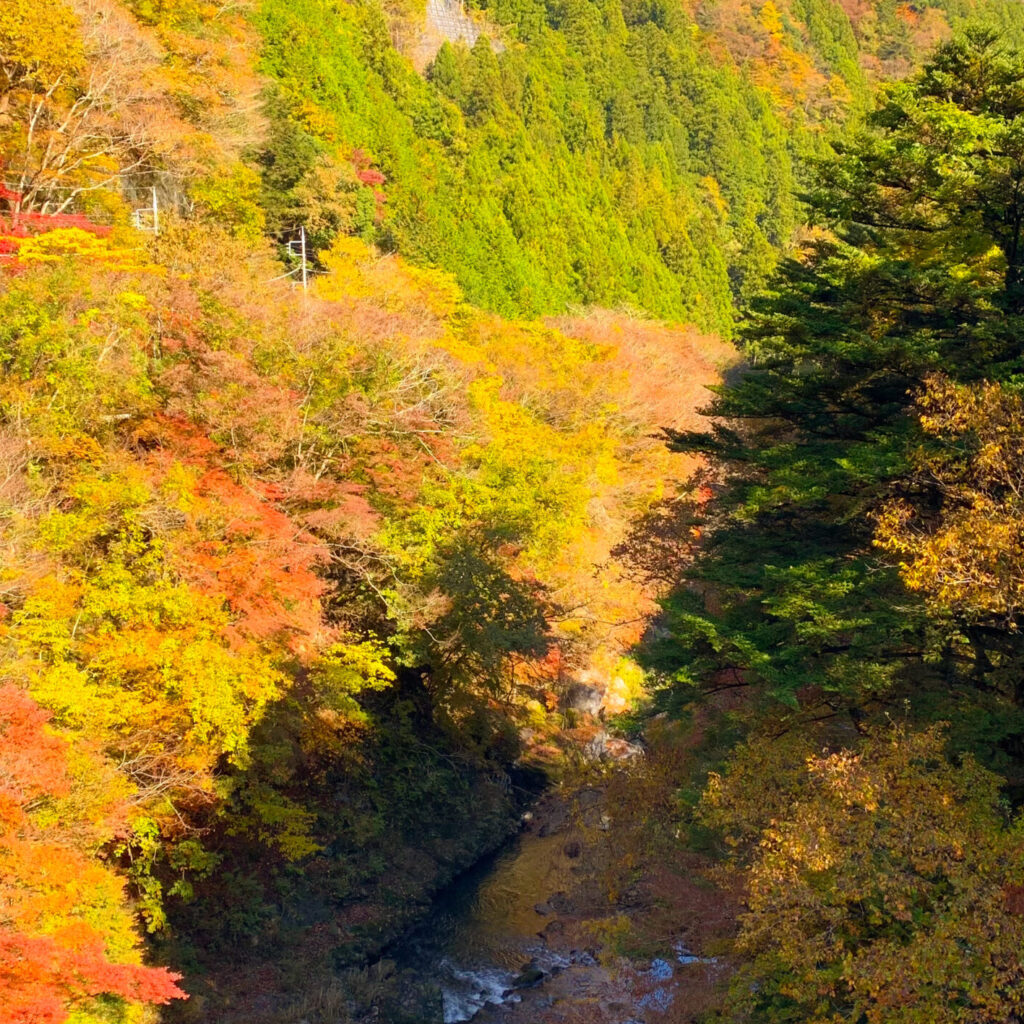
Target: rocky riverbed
546,932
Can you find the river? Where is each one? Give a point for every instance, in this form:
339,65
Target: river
510,942
482,944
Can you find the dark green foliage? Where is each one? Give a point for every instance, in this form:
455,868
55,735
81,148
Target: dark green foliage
921,275
397,809
491,620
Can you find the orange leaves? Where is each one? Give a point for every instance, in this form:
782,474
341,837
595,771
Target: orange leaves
61,913
42,978
254,420
31,759
343,509
237,545
908,13
259,560
770,40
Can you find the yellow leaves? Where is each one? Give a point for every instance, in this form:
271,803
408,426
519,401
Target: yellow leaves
770,19
317,120
349,263
787,851
97,497
76,243
355,270
714,193
39,44
75,448
69,242
347,669
969,558
127,654
134,301
552,472
67,690
126,487
283,823
868,873
536,713
843,775
178,486
146,666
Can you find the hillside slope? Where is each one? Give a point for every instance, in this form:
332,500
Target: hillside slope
296,582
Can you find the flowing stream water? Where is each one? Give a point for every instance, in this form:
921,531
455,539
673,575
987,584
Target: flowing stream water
509,943
481,944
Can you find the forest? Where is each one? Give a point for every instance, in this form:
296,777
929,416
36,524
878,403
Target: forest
608,434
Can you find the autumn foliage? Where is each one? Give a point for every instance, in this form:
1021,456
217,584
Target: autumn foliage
880,882
288,573
968,557
235,513
66,933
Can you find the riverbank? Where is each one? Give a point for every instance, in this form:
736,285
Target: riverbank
595,913
622,922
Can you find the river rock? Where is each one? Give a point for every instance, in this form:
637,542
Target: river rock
596,749
543,909
551,930
581,697
660,970
555,819
622,750
611,748
560,902
529,976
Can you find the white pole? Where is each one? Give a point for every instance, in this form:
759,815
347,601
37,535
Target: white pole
156,214
302,235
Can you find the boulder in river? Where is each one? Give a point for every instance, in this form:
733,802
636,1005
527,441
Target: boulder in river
551,930
529,976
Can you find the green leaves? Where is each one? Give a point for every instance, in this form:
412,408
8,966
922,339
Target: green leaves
819,433
579,169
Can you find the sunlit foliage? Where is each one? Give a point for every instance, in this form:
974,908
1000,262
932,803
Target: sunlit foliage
67,939
882,884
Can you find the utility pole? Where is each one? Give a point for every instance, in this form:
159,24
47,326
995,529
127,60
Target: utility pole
297,247
302,235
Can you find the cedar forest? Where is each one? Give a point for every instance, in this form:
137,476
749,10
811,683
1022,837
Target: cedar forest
667,342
